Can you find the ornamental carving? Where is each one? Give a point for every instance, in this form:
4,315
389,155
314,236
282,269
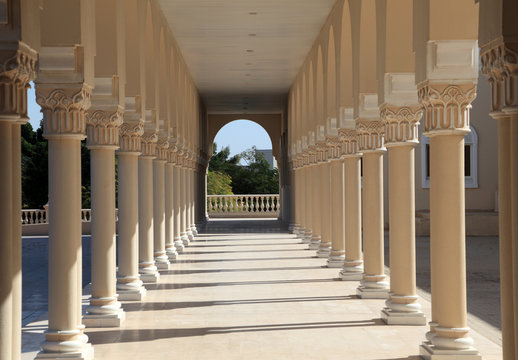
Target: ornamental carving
17,69
102,127
350,141
446,106
130,136
334,147
401,123
64,110
162,148
148,142
371,134
500,65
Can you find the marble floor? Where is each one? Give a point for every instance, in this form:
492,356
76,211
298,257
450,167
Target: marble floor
253,294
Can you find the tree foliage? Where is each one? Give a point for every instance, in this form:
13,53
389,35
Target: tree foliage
254,178
219,183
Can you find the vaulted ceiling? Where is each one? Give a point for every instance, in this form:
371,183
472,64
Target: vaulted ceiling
244,54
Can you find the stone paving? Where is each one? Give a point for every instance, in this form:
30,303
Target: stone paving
251,293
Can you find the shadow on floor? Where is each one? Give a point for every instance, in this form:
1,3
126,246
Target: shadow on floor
202,245
204,271
246,259
122,336
153,306
236,251
232,283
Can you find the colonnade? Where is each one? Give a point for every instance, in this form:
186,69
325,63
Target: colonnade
375,71
109,72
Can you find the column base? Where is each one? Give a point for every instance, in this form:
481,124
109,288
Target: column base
314,243
301,232
336,259
150,278
190,235
162,262
132,295
430,352
104,320
178,244
307,237
132,291
291,228
391,317
87,353
369,293
194,230
324,250
350,276
185,239
171,252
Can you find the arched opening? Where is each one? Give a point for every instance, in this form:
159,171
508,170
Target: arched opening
243,173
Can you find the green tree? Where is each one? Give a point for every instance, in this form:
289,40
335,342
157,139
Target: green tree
219,183
34,167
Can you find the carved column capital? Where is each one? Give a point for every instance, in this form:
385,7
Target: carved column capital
371,134
17,69
446,107
500,65
334,147
350,142
130,136
401,123
148,142
64,110
102,127
162,147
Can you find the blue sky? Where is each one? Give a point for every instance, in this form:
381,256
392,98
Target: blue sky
239,134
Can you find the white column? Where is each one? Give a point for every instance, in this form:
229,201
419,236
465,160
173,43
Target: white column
102,140
147,268
129,285
161,259
374,284
64,126
178,242
170,248
337,255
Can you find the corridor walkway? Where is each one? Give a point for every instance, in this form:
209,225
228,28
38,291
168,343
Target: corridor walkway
241,291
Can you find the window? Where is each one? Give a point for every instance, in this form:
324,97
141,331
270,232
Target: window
470,160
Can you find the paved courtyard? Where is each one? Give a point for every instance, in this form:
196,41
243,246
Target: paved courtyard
250,290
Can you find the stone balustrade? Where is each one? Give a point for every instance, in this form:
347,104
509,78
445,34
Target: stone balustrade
242,206
40,216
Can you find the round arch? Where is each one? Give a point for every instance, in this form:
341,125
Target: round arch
271,123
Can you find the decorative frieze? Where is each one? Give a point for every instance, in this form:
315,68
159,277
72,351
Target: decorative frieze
102,127
334,147
401,123
500,65
64,110
371,134
446,107
350,141
17,69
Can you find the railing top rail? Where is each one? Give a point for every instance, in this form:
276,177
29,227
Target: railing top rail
243,195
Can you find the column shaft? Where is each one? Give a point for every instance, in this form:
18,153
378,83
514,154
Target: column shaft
316,228
129,285
177,213
309,206
374,284
147,268
337,255
104,309
505,235
353,264
324,209
64,243
17,240
402,306
161,259
171,252
447,227
183,205
514,218
6,244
